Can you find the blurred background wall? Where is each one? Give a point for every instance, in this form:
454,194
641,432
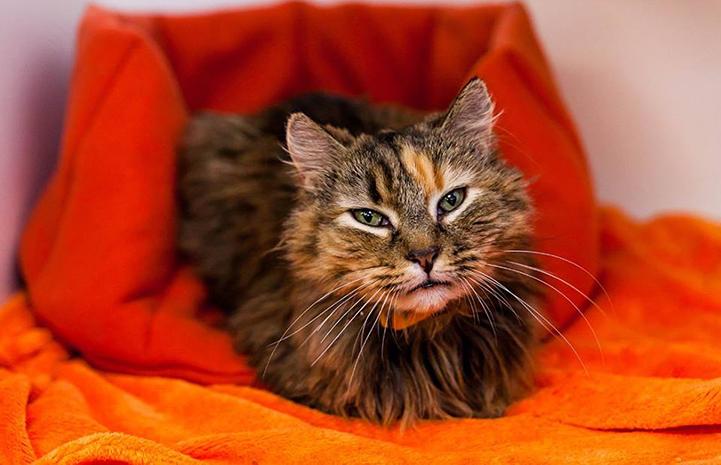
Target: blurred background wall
642,79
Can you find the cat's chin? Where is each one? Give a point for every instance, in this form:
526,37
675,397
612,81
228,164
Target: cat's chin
429,300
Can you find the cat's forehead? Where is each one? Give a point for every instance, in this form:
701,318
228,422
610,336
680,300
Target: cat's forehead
419,167
403,172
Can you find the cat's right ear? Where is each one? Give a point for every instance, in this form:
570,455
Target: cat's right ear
310,146
470,116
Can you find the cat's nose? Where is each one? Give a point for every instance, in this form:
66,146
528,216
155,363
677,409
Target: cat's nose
424,257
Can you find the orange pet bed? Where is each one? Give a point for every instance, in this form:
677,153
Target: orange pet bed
103,279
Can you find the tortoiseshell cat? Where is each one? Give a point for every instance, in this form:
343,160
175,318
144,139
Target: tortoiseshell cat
365,215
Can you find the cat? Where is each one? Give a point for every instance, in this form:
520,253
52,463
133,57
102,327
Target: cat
360,252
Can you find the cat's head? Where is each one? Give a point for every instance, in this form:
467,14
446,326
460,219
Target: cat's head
409,218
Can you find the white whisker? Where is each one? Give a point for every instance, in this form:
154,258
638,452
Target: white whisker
539,317
489,315
469,300
570,262
330,344
549,274
375,322
501,299
333,307
339,302
311,306
285,334
578,310
360,310
389,318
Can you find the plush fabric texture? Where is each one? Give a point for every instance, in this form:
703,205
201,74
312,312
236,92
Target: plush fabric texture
98,253
653,395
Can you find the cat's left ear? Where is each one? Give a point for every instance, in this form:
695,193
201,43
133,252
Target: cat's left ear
470,116
310,146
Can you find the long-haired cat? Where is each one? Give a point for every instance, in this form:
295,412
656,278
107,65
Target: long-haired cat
362,253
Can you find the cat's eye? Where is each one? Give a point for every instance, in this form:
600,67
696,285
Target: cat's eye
451,200
370,217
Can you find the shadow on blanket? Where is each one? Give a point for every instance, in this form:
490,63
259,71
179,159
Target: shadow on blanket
99,259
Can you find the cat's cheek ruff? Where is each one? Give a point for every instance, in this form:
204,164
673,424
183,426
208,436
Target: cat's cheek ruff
347,220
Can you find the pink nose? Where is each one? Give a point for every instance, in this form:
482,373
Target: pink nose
424,257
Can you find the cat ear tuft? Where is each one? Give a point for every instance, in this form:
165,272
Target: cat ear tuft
310,146
470,116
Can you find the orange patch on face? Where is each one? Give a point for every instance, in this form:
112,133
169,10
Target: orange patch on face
420,167
439,179
402,320
381,186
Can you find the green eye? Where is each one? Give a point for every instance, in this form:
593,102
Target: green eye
451,200
370,217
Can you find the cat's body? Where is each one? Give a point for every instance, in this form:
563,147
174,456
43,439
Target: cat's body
317,246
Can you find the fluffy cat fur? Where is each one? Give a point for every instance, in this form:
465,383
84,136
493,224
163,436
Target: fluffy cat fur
267,220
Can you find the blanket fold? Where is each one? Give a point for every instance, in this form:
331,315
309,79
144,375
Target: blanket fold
652,394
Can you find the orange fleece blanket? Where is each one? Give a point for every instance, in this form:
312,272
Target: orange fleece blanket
105,290
652,395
